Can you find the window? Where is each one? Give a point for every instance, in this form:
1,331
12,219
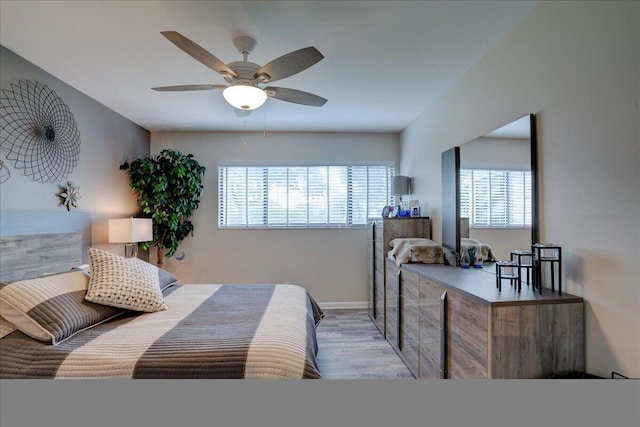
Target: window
496,198
302,196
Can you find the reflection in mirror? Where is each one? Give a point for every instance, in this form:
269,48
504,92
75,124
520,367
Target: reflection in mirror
497,188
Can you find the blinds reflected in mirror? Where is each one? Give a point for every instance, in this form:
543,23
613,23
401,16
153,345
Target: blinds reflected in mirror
496,198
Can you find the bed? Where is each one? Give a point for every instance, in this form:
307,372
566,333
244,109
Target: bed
202,331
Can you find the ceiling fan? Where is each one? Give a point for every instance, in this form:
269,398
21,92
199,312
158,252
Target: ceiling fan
247,80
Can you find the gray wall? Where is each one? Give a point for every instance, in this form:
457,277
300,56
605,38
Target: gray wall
576,65
330,263
107,139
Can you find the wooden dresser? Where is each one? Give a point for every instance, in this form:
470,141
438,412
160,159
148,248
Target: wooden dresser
453,323
380,233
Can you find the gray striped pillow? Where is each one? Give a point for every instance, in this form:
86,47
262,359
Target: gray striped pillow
6,327
52,308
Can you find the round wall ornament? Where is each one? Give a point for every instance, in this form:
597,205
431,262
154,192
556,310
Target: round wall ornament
39,134
4,172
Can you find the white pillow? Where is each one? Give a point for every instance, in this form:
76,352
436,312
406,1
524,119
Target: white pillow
124,282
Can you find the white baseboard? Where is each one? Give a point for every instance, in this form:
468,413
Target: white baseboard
347,304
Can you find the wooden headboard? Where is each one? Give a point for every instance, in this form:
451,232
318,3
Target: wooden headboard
34,243
34,255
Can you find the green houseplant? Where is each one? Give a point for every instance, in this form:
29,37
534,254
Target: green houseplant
168,186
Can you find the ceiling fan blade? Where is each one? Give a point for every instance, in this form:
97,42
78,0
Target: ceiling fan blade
188,87
288,65
198,53
295,96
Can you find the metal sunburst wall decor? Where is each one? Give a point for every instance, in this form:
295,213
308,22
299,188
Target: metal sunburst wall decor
69,195
39,133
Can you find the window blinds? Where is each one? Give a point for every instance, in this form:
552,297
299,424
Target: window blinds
302,196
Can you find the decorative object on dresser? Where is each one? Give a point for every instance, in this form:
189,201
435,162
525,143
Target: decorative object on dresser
478,259
465,258
414,205
130,231
508,270
551,254
381,231
168,186
525,262
39,133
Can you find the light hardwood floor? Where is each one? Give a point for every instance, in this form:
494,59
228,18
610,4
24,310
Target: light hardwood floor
350,346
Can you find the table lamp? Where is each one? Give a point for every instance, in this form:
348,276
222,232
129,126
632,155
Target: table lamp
401,186
130,231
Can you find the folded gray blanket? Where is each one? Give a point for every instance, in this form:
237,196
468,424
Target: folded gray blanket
405,250
472,245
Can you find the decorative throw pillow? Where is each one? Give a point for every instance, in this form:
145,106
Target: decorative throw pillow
52,308
166,279
124,282
6,327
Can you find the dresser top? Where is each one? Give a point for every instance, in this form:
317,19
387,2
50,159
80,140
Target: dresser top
480,284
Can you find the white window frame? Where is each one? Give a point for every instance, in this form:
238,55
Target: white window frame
353,217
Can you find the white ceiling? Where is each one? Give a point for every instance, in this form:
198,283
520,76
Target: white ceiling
385,61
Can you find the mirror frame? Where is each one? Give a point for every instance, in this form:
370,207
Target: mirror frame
451,192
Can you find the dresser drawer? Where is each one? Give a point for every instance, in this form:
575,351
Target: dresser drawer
410,286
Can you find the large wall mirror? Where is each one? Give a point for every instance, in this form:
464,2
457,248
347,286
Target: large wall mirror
490,189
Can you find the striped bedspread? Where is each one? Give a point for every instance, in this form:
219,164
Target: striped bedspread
209,331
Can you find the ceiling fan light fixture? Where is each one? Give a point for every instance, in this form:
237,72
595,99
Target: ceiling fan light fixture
244,97
245,77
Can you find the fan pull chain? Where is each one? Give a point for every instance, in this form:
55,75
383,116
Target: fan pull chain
244,132
265,120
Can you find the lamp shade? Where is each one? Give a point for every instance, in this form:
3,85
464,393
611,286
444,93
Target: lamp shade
244,97
401,185
130,230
